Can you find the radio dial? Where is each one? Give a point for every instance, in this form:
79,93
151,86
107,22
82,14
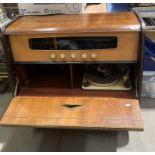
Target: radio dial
62,56
73,56
53,56
84,56
93,55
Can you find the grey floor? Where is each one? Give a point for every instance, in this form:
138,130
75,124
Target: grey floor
39,139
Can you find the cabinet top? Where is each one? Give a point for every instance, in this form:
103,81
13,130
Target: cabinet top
82,23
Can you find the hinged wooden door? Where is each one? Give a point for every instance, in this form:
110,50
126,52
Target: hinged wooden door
74,112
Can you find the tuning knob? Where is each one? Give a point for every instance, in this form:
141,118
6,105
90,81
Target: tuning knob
93,55
84,56
62,56
53,56
73,55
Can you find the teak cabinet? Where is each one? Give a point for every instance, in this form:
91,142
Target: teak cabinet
46,74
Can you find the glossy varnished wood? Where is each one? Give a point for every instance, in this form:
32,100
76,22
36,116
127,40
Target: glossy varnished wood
45,100
101,22
83,112
127,48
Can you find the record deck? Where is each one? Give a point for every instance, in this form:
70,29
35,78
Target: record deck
107,77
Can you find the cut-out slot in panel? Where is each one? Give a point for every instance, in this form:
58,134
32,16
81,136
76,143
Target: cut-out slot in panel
71,106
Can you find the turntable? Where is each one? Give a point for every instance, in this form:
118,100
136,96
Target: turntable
107,77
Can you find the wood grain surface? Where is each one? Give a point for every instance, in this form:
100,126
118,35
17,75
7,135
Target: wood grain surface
74,112
100,22
127,48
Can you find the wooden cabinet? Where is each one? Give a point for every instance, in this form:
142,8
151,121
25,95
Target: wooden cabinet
49,92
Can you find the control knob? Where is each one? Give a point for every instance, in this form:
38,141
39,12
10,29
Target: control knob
62,56
73,55
53,56
93,55
84,56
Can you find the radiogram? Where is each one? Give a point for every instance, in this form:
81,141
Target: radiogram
75,71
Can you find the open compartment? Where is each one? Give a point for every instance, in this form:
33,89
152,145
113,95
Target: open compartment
63,80
52,96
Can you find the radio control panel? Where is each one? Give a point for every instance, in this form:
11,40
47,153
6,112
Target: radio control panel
94,37
109,46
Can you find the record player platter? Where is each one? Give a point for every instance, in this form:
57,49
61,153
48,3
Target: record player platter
103,75
106,77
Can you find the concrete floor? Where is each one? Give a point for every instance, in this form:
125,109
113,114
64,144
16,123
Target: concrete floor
39,139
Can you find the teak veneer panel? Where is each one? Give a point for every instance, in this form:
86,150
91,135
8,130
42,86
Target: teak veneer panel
101,22
127,48
95,113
